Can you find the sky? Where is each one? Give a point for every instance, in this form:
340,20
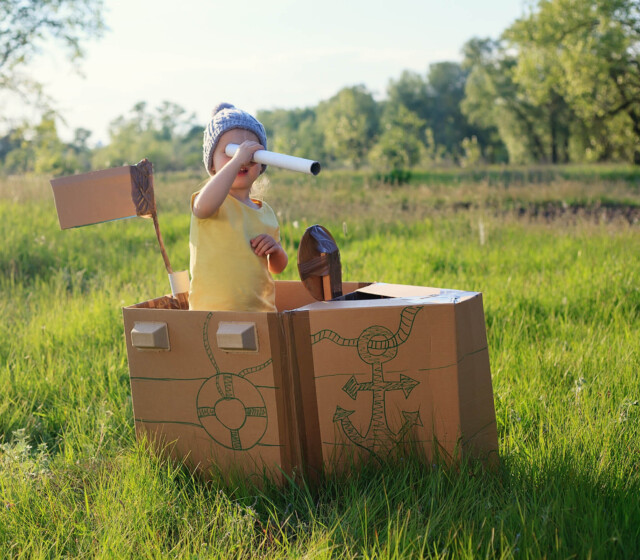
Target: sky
257,55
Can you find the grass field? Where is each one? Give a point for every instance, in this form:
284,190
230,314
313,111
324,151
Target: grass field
556,257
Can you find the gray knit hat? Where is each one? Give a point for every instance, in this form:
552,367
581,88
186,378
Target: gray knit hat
226,117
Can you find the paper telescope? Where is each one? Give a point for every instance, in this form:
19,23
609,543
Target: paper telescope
292,163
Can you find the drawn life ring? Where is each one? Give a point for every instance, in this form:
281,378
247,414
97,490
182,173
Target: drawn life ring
367,347
232,411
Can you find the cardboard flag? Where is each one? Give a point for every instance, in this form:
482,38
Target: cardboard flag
113,194
95,197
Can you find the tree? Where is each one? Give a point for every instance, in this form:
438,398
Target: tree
167,136
410,90
588,52
293,131
51,155
400,143
349,121
80,148
436,99
446,83
17,152
172,120
26,25
537,74
39,149
494,100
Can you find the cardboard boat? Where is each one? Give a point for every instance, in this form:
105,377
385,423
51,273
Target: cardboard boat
340,373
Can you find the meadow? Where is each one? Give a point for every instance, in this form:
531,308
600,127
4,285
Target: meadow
555,253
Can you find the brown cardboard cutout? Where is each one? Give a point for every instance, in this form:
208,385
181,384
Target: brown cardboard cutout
95,197
319,263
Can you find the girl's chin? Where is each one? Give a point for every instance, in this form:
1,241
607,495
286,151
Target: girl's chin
240,183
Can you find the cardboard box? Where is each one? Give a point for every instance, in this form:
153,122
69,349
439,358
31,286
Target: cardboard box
316,385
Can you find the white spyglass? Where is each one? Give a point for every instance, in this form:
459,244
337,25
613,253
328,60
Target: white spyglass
292,163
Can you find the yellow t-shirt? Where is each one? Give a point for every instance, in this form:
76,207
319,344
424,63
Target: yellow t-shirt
226,275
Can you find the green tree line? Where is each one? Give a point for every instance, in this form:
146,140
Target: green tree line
561,84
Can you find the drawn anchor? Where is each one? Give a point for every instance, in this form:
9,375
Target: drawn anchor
376,345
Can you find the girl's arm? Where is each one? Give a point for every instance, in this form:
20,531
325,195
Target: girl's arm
212,195
278,260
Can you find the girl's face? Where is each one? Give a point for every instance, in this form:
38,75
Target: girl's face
248,173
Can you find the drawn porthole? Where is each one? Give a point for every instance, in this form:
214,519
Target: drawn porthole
232,411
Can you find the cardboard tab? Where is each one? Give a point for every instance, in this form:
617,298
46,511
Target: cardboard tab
237,336
150,336
91,198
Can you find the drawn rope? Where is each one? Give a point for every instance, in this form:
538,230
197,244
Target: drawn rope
404,329
407,318
333,337
249,371
207,346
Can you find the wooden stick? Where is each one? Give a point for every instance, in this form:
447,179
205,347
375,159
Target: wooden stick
156,225
326,282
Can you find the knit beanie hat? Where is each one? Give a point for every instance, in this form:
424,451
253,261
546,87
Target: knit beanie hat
226,117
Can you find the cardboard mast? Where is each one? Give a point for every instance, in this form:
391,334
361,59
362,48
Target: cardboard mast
113,194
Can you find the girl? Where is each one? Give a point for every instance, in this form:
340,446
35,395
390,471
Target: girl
234,239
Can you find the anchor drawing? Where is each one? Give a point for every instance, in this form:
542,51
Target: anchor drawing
230,407
376,345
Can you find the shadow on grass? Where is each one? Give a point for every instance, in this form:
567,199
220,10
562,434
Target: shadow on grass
429,509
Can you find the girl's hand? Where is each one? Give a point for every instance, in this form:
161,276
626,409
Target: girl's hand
245,152
228,170
264,244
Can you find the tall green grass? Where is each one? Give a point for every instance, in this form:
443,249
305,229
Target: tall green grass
562,307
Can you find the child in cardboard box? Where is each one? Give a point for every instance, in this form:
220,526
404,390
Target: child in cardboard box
234,239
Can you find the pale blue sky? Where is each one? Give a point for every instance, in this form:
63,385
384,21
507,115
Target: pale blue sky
259,55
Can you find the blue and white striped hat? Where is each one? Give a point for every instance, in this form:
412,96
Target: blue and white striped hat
226,117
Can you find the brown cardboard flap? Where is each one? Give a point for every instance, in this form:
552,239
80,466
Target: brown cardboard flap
477,409
398,290
95,197
334,305
292,294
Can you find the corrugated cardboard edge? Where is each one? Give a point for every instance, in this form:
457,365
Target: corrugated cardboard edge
291,456
478,423
298,334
